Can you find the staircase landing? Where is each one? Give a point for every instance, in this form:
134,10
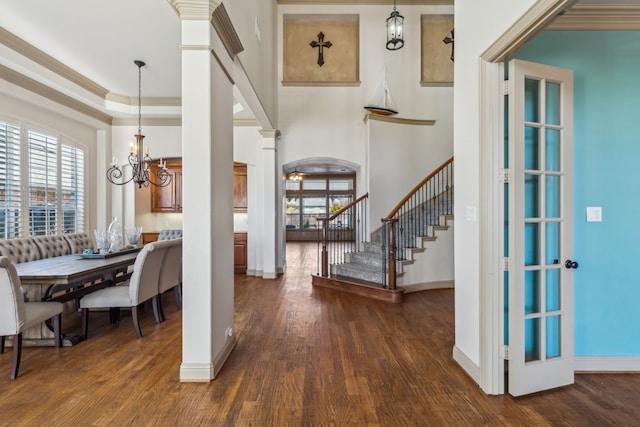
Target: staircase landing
358,287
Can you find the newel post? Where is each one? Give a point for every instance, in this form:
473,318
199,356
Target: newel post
324,255
391,266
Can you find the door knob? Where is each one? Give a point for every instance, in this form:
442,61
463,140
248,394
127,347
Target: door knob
570,264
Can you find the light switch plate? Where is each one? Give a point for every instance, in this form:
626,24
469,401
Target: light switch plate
471,213
594,214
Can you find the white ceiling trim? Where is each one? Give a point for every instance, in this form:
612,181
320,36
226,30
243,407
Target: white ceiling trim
599,17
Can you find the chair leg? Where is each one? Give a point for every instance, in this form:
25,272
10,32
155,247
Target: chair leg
2,344
57,323
85,323
17,351
136,323
177,294
157,308
161,309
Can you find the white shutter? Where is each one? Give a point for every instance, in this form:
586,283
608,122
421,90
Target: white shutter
72,186
9,181
43,183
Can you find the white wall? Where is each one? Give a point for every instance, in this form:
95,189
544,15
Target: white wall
477,26
435,264
328,121
401,156
257,59
247,148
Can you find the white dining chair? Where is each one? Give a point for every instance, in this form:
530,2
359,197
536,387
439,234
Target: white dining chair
16,315
170,275
141,287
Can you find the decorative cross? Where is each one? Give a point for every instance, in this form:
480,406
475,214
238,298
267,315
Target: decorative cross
448,40
320,44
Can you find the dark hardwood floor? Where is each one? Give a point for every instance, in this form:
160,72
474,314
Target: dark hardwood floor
305,357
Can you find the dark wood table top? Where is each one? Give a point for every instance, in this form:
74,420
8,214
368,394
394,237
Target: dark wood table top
69,269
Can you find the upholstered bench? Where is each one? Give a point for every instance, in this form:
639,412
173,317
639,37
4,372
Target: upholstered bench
21,249
25,249
170,234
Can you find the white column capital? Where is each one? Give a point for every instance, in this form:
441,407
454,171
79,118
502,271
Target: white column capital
195,9
269,138
270,133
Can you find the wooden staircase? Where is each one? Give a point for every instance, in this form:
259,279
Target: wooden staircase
362,273
411,228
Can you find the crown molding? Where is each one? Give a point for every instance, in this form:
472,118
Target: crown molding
224,27
246,123
36,55
598,17
194,10
146,101
38,88
149,121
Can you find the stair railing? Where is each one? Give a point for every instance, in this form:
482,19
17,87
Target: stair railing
412,217
340,233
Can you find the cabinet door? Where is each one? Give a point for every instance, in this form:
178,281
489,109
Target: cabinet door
168,198
239,186
178,190
240,253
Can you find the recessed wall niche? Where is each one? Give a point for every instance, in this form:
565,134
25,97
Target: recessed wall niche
437,66
300,59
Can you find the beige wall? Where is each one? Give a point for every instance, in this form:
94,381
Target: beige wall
341,60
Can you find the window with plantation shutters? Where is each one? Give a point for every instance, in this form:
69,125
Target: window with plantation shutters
10,194
41,184
72,188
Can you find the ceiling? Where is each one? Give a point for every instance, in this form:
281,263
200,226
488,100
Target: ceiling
86,48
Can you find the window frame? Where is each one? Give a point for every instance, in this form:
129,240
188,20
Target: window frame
70,158
313,227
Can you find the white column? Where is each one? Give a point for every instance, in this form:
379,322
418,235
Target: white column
103,187
254,244
207,192
269,204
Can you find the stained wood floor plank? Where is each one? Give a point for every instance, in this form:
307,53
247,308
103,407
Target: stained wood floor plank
305,357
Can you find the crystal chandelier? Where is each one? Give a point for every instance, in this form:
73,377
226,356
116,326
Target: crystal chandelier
138,156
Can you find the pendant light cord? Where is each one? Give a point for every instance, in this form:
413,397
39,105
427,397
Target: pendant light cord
140,98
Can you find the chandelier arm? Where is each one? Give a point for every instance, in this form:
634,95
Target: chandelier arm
115,173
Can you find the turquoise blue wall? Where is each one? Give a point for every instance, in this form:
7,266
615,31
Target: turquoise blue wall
606,69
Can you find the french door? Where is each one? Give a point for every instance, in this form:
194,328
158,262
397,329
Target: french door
540,227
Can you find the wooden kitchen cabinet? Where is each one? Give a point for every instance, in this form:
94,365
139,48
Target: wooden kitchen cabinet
168,198
240,253
239,186
149,236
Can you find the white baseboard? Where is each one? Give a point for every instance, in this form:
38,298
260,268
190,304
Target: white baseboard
467,364
205,372
606,364
442,284
196,372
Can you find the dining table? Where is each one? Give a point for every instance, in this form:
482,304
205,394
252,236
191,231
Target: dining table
66,279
